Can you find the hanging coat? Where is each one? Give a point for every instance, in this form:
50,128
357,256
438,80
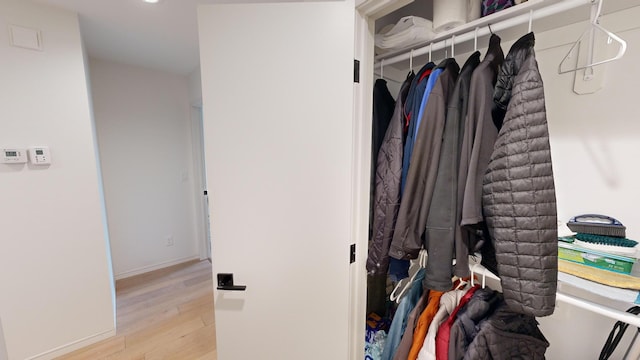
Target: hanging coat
507,335
477,145
482,304
448,303
387,188
519,199
411,110
383,107
442,214
416,198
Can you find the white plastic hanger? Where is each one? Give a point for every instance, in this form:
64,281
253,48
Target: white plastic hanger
411,61
475,39
453,41
422,262
474,269
594,25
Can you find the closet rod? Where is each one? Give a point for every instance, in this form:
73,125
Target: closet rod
599,309
439,41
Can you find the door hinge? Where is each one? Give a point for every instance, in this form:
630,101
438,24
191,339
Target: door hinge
352,254
356,71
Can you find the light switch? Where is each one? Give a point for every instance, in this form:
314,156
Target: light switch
39,155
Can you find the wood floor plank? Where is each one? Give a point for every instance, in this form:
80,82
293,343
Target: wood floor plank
197,303
146,278
191,346
99,350
165,314
210,356
209,317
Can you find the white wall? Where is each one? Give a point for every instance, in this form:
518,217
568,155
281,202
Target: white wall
195,87
56,285
144,133
595,142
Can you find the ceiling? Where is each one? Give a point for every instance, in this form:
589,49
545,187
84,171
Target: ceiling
162,36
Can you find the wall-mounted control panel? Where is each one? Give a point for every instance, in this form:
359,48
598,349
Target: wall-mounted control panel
13,156
39,155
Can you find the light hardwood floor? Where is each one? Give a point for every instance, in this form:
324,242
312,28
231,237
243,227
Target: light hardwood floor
164,314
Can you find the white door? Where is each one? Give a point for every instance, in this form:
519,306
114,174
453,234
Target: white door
278,132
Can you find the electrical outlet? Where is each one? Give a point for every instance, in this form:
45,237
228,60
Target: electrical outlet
169,240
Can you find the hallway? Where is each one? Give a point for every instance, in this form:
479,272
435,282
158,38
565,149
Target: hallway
164,314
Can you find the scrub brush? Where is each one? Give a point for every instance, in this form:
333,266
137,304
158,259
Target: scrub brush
607,244
606,240
597,225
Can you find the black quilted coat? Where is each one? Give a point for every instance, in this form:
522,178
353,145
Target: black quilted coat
519,200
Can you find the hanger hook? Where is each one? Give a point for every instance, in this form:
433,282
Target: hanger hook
446,51
598,11
453,41
382,69
489,26
411,60
475,40
530,19
430,48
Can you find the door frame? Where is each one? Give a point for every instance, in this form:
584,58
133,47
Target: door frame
201,206
366,13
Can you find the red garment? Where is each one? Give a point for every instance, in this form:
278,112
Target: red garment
442,337
425,74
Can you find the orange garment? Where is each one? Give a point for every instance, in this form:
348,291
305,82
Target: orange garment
420,332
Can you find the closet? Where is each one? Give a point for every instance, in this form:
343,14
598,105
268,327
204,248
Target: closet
556,29
287,132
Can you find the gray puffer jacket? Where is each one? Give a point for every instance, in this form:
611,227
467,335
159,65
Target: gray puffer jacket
507,335
519,200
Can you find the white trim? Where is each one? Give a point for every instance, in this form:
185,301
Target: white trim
201,208
361,175
72,346
146,269
375,9
3,345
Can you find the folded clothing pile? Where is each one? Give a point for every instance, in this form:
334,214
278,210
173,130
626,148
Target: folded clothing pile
410,30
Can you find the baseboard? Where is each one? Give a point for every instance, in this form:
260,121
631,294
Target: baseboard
78,344
146,269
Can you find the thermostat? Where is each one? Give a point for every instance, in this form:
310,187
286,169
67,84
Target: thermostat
39,155
14,156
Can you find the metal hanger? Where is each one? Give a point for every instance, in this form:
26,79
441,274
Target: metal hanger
593,26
